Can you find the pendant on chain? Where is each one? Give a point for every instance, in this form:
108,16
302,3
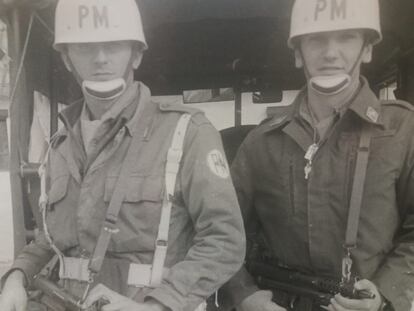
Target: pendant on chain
310,153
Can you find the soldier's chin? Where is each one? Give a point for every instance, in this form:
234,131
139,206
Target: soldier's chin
330,84
104,90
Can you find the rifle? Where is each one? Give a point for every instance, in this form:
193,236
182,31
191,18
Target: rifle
58,299
319,289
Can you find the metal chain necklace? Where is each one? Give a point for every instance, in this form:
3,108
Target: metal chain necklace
313,148
317,142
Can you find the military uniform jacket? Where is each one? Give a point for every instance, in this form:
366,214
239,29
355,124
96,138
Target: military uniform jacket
303,222
206,238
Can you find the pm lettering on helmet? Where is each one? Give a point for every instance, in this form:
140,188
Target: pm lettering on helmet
314,16
99,16
336,9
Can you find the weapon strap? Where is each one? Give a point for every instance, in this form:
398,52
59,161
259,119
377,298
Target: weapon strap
355,204
111,217
358,187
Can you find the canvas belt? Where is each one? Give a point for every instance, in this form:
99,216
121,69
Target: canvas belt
139,275
74,269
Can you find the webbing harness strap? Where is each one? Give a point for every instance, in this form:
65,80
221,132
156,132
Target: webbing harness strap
358,187
357,192
111,218
172,166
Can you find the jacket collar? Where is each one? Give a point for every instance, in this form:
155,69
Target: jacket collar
364,104
144,104
285,115
71,114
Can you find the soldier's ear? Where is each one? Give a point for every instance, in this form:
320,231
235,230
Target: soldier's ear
65,58
137,58
367,54
298,58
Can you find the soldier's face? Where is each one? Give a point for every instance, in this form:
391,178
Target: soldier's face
102,61
332,53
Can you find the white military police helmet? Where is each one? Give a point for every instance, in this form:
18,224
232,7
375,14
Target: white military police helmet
84,21
313,16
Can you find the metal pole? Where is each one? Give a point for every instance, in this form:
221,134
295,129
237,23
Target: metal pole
237,106
53,101
16,119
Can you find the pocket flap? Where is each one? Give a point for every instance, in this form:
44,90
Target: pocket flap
58,188
138,188
385,133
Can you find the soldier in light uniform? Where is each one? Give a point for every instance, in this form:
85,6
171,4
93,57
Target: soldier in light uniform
148,178
300,173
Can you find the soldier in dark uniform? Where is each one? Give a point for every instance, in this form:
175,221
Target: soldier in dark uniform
301,174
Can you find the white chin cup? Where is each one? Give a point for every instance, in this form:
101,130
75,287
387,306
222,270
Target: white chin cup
104,90
330,85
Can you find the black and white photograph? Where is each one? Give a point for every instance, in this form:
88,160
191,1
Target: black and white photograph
206,155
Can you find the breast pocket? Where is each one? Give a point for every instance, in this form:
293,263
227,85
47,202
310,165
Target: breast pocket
58,189
139,216
61,216
386,146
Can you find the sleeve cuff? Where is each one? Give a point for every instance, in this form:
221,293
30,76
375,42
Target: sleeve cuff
31,260
6,275
241,286
393,290
173,300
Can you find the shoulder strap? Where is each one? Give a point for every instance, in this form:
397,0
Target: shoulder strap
174,156
400,103
358,187
178,106
111,217
356,197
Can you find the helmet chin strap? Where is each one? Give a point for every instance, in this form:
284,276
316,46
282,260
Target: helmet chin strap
103,90
332,84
